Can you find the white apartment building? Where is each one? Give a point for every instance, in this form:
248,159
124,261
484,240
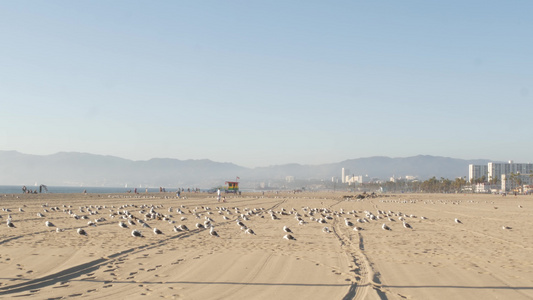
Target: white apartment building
502,172
508,184
496,170
477,171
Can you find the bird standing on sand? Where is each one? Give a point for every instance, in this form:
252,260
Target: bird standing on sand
385,227
49,224
10,224
157,231
287,229
136,233
122,225
212,232
289,237
406,225
249,231
80,231
458,221
326,230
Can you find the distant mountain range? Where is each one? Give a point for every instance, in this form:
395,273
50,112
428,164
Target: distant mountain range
83,169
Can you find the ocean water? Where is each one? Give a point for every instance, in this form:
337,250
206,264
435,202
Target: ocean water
17,189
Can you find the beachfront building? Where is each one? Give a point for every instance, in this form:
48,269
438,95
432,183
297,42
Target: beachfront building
476,172
496,170
511,176
515,182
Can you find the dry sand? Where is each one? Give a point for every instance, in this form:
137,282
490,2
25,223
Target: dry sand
437,259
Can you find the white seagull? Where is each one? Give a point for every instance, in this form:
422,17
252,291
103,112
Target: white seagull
136,233
287,229
157,231
385,227
289,237
212,232
406,225
458,221
49,224
80,231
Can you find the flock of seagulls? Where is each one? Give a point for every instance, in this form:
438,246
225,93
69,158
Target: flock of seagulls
138,216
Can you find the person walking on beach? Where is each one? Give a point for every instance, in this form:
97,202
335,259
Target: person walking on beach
218,195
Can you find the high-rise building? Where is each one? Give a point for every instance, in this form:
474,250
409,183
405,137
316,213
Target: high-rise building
496,170
477,172
345,173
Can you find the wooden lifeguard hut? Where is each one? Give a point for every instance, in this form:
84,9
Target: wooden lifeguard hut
233,186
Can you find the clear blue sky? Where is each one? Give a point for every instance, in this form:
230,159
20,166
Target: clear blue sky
261,83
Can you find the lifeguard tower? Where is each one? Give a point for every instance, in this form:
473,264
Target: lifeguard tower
233,187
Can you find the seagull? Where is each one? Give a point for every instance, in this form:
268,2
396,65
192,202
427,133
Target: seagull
326,230
49,224
348,223
289,237
10,224
40,215
157,231
59,230
406,225
357,228
80,231
212,232
385,227
506,227
249,231
122,224
458,221
287,229
199,226
136,233
183,227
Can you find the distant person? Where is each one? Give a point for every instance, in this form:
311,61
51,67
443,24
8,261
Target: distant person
135,190
218,195
24,189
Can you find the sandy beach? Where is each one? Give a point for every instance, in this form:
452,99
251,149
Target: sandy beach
438,258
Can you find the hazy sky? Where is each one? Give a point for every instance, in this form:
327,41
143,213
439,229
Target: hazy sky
261,83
